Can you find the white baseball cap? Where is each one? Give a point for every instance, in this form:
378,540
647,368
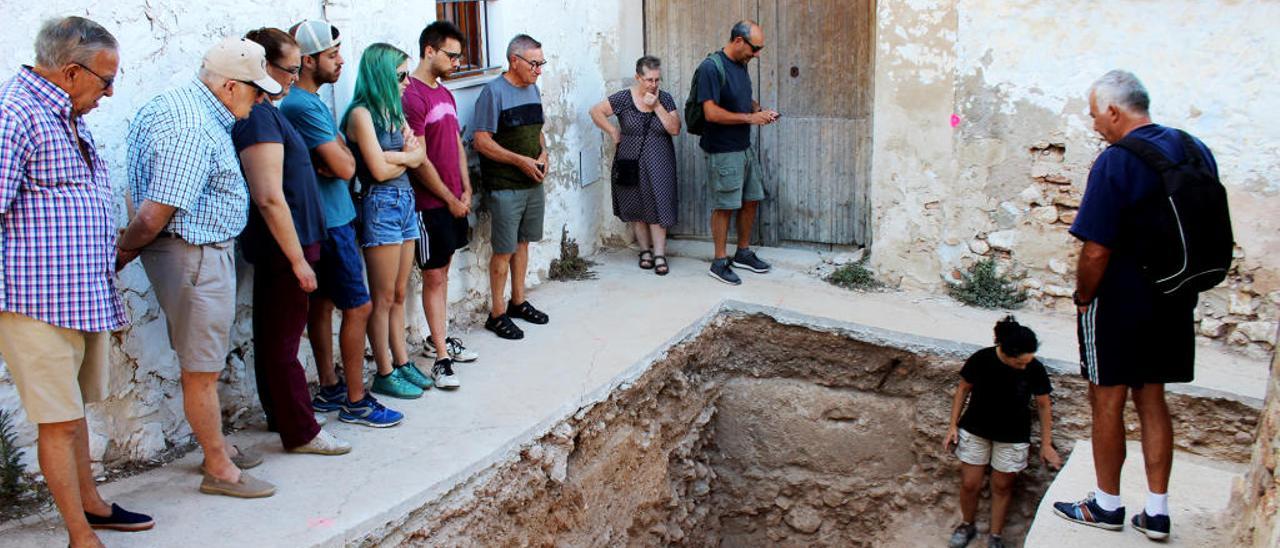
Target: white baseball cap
243,60
315,36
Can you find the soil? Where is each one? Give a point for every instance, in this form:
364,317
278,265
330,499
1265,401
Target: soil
759,433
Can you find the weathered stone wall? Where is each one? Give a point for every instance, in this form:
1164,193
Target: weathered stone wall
1255,501
983,142
162,42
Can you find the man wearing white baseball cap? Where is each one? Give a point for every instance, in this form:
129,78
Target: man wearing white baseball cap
184,173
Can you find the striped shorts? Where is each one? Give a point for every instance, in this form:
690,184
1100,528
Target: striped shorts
1122,344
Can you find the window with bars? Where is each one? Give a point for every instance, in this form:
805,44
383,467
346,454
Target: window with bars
471,17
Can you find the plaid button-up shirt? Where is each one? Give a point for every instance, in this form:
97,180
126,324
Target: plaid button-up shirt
57,232
181,155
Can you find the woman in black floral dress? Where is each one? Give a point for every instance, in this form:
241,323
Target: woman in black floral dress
647,119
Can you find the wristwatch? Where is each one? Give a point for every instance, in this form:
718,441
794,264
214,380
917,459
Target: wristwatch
1075,298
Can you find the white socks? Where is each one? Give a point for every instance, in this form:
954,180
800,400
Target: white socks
1107,501
1157,505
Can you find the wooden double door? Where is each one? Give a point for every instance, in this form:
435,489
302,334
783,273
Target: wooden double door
816,70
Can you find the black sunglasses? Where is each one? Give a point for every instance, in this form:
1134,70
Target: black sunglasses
453,55
402,76
754,48
106,82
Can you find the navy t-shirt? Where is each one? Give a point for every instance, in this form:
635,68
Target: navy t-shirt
1118,181
1000,404
734,96
266,124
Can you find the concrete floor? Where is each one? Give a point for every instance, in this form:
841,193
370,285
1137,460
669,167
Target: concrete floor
599,329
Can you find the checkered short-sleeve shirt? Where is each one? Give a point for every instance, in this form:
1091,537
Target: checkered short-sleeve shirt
181,155
57,232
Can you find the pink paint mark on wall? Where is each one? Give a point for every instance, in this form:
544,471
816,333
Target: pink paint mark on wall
955,120
319,523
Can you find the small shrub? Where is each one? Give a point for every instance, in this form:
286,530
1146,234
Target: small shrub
983,286
854,276
570,265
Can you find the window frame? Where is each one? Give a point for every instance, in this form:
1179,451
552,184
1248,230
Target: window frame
479,62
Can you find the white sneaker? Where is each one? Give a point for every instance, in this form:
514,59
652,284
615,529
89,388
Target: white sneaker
442,374
458,352
324,444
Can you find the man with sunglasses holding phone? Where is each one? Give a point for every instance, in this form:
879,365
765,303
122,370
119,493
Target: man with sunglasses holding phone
193,202
736,180
513,161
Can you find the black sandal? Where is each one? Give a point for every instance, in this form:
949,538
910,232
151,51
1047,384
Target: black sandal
527,312
502,326
660,266
646,263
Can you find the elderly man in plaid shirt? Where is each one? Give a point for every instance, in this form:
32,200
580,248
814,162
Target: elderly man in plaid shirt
193,200
58,301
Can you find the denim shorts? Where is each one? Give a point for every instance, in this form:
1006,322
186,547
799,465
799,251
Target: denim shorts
387,216
340,270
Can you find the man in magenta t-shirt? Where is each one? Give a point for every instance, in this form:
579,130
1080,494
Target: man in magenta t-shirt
442,188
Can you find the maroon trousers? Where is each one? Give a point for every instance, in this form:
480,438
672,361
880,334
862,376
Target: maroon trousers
279,316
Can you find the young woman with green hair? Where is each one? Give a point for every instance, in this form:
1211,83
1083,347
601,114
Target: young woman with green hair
375,128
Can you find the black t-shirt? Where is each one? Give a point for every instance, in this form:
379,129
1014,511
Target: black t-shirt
1000,404
266,124
734,96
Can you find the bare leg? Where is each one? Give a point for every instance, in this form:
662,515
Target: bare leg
435,304
970,487
396,321
659,235
355,323
200,401
320,332
720,230
383,264
499,267
519,266
1001,494
746,220
642,235
1108,434
89,497
1157,435
56,447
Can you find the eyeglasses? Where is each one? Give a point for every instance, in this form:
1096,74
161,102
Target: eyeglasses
453,55
754,48
256,88
106,82
402,76
295,70
533,64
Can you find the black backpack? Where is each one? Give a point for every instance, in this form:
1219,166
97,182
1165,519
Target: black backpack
694,120
1182,234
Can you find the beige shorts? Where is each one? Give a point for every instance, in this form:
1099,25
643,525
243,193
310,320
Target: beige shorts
980,451
57,370
196,287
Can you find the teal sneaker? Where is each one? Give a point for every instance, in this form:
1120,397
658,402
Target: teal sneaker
395,385
411,373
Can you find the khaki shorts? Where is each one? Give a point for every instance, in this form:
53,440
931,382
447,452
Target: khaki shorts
980,451
57,370
196,287
735,178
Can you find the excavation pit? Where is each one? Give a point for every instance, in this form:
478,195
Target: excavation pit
754,430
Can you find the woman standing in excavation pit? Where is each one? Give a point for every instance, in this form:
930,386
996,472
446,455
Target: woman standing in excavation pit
995,428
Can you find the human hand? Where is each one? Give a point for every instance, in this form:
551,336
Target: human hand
616,135
124,257
1049,456
410,140
529,167
952,439
459,208
649,99
764,117
306,276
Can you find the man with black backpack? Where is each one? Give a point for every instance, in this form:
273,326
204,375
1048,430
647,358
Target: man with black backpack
1156,232
721,110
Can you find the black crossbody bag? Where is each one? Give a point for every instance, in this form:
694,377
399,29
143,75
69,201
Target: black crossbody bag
626,172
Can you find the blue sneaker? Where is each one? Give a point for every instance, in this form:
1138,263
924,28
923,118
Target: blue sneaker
721,270
1155,527
746,258
1089,513
329,398
369,412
